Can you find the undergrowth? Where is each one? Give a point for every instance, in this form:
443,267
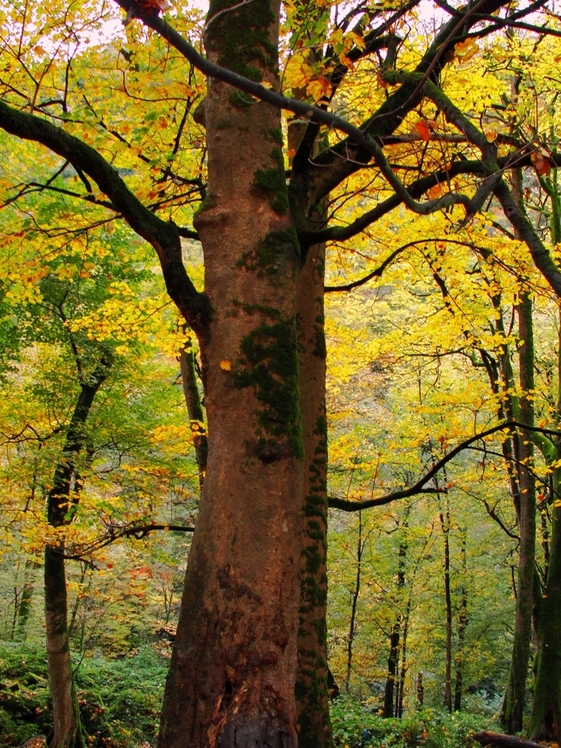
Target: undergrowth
120,702
119,699
356,725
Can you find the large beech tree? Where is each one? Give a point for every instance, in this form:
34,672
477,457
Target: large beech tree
249,666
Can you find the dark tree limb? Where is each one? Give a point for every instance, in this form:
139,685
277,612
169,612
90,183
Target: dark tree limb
164,236
420,486
504,741
138,532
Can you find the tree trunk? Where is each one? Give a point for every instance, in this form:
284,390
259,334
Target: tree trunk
546,708
393,662
194,408
233,669
390,701
420,690
354,604
513,708
66,719
545,722
312,700
445,525
462,626
24,607
61,507
404,664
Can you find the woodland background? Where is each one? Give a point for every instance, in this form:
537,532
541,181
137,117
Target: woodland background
424,352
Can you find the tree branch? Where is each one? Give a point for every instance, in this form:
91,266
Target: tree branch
135,531
162,235
419,487
504,741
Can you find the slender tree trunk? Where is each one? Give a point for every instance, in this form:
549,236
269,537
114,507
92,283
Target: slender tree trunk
404,665
513,708
61,507
233,670
393,663
405,634
445,525
312,701
194,409
23,610
74,614
354,604
420,690
462,626
546,707
391,700
545,722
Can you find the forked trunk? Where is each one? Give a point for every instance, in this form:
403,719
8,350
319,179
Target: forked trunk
232,675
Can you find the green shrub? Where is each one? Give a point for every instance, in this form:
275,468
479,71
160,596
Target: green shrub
24,702
119,699
356,726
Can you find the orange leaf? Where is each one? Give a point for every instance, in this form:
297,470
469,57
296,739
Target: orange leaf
541,163
423,128
436,191
149,6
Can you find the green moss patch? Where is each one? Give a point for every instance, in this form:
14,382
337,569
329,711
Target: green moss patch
239,36
266,257
269,364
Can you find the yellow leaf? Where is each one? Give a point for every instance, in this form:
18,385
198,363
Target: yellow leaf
319,88
226,365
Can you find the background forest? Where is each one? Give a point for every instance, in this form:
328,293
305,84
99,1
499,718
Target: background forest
442,337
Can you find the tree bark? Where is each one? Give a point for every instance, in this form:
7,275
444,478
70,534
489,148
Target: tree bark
545,721
546,707
355,594
462,626
61,507
513,708
312,700
66,719
445,525
233,669
391,698
194,409
393,662
503,741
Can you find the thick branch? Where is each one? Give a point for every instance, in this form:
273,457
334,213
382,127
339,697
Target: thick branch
162,235
523,226
311,112
504,741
